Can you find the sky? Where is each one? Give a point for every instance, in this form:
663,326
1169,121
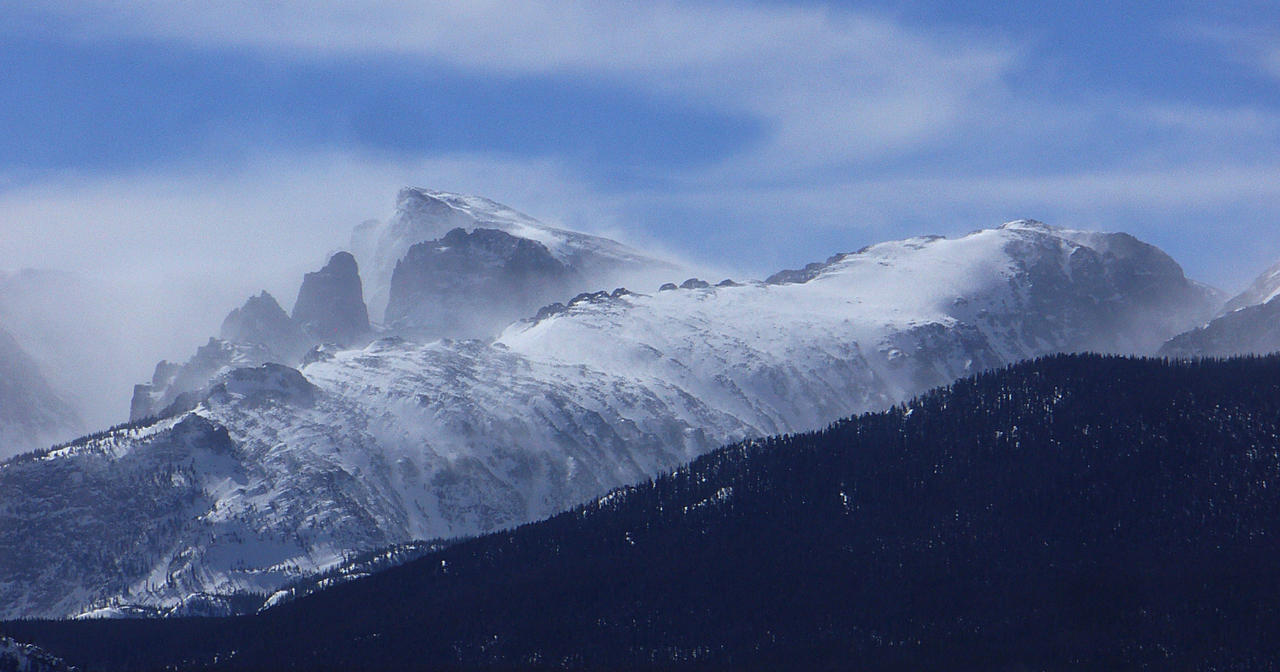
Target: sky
216,148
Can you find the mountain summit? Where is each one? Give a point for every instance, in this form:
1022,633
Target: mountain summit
438,289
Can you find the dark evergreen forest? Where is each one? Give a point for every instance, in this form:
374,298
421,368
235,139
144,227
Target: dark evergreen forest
1071,513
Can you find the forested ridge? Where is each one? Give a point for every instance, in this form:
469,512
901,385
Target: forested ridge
1074,512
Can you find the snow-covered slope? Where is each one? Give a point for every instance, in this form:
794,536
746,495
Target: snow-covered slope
1249,324
277,472
425,215
1263,289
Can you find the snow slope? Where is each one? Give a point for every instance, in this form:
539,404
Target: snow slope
1249,324
1262,290
278,472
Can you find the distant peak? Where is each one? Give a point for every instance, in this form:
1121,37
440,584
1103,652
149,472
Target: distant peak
419,194
1029,225
430,202
341,262
409,195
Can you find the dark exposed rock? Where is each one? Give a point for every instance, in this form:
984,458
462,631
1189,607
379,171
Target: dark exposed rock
424,215
809,272
471,285
548,310
262,321
329,309
694,283
267,384
320,353
728,283
330,305
590,297
667,286
1108,292
583,298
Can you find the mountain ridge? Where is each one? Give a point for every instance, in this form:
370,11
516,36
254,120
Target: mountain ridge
398,440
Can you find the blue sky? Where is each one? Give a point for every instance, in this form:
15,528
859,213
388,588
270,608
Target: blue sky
246,139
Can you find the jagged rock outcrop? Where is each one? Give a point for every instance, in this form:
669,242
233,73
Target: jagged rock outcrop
1117,293
329,311
330,306
175,387
32,414
470,285
262,321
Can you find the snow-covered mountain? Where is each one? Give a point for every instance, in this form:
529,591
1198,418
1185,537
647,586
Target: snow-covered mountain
440,290
1249,324
272,472
32,414
1264,288
445,266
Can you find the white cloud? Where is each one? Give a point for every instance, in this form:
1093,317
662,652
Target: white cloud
832,86
1255,46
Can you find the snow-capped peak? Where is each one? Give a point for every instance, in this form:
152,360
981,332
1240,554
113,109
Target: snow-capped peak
1029,225
477,208
1263,289
424,215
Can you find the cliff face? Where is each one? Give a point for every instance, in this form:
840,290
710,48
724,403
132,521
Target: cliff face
330,306
471,285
